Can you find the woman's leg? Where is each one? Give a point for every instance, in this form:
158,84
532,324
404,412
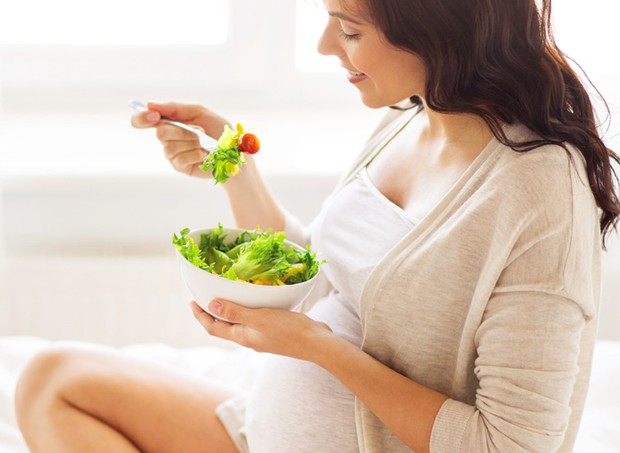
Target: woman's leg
91,400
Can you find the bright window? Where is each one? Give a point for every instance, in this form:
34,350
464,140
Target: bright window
113,22
68,67
588,32
310,21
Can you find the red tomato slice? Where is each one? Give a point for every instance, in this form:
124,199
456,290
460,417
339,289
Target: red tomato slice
248,143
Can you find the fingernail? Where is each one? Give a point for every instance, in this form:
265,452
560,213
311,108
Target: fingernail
215,307
152,116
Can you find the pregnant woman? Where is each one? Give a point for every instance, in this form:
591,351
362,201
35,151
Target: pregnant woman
458,309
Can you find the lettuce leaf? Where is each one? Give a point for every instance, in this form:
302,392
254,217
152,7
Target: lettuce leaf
253,256
224,161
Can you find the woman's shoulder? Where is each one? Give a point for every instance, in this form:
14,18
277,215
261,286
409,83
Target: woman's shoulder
545,188
549,167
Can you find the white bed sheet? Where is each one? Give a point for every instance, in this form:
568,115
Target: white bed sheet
599,433
232,366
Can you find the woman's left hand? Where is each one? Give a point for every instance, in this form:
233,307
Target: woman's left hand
275,331
396,400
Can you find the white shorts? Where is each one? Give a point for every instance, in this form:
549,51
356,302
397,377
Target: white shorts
232,415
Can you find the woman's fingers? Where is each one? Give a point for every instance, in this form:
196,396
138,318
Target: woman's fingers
185,113
143,120
168,132
197,115
189,162
229,311
265,330
185,156
218,328
204,318
181,147
211,123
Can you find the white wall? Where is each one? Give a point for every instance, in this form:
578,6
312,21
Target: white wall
91,258
89,204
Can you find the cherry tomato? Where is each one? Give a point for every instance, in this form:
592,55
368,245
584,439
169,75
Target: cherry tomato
248,143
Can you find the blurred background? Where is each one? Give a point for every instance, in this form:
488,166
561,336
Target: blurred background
88,204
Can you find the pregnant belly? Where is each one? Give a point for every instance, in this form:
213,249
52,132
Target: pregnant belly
298,406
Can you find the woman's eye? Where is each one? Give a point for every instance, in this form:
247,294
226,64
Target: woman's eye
347,36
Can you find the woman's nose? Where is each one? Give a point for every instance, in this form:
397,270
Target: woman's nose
328,42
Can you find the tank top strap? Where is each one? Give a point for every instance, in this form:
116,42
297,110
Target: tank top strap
377,143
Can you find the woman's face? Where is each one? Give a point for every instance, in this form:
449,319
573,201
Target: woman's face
383,74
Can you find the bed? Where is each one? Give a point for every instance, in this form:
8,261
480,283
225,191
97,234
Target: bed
600,430
233,365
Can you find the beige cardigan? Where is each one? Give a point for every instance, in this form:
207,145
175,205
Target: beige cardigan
491,300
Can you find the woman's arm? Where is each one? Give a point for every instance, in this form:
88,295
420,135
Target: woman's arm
408,409
252,203
526,368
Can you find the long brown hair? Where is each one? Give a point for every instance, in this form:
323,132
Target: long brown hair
497,59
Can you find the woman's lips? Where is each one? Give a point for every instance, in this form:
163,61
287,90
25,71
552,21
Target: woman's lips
355,77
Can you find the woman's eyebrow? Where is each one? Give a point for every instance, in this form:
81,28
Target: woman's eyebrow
345,17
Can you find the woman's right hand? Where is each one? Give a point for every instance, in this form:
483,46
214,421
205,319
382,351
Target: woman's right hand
181,147
251,201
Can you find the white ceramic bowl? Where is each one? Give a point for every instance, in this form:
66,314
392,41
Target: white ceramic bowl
205,286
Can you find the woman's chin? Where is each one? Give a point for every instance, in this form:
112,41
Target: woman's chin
372,101
376,100
376,103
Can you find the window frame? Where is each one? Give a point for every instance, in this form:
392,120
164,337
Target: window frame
257,59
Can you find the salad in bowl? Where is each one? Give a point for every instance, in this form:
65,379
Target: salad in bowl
251,267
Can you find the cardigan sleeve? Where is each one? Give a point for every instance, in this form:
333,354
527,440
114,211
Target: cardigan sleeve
529,340
528,348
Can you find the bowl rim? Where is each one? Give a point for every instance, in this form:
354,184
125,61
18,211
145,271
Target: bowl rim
254,285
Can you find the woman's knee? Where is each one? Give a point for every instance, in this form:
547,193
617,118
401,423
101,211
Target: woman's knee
43,381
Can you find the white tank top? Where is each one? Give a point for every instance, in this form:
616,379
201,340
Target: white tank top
296,405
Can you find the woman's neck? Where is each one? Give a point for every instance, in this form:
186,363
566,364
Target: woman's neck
456,131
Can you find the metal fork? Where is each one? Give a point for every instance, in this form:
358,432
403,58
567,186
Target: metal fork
207,143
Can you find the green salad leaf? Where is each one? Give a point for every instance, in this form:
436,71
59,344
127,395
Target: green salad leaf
259,257
189,249
224,161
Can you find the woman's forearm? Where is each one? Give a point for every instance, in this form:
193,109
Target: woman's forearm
407,408
252,202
